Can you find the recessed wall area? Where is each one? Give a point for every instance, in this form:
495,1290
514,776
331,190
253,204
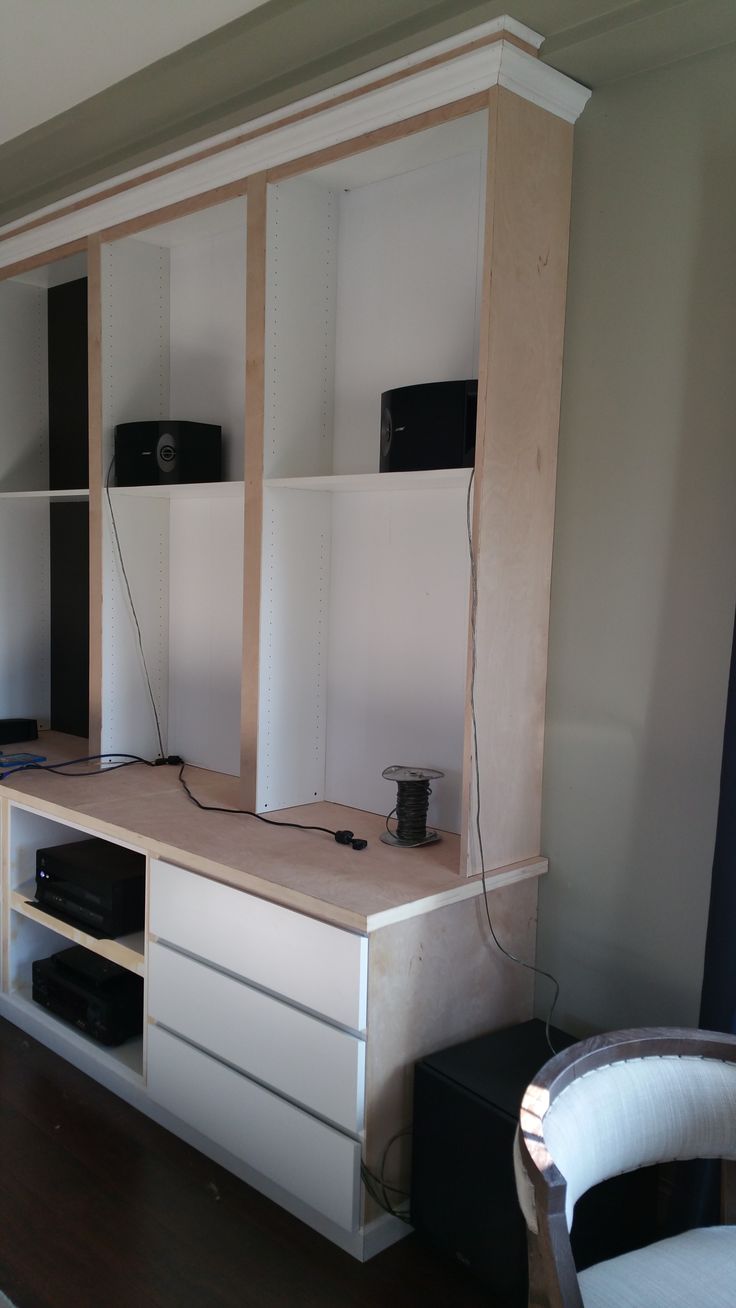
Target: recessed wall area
44,479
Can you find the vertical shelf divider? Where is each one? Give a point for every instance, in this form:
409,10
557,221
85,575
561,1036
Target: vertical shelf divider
96,479
255,328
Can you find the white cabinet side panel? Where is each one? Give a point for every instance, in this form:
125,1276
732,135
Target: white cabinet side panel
128,724
309,1061
397,660
300,329
206,631
208,338
24,415
135,336
319,967
309,1159
409,267
25,686
293,648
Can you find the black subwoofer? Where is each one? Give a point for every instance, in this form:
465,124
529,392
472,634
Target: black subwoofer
167,452
431,425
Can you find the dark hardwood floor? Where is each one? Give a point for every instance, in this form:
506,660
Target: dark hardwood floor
101,1208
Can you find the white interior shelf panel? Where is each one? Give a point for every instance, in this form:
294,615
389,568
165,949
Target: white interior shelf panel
126,951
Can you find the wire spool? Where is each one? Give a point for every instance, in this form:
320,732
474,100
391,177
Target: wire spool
412,803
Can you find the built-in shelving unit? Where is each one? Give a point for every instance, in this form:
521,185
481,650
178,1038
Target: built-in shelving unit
298,626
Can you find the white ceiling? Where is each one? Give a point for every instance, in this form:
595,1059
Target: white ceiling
56,53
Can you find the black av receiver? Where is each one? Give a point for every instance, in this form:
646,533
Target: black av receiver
93,884
97,996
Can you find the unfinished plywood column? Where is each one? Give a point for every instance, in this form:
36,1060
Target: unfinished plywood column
520,369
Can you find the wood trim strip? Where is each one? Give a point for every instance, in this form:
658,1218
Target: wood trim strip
380,136
243,137
255,344
46,256
96,478
468,775
179,209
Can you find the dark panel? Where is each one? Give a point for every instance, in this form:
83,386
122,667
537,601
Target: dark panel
68,406
70,618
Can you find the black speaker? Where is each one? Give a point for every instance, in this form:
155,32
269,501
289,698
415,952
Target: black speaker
463,1192
428,426
167,452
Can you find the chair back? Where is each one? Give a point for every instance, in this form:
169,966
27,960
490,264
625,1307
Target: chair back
611,1104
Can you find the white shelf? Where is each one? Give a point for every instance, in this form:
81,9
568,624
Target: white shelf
195,490
58,496
126,1059
429,479
127,951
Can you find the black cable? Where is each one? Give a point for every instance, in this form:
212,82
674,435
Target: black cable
538,971
129,759
342,837
412,805
132,605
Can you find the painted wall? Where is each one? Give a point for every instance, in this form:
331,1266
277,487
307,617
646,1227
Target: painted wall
644,572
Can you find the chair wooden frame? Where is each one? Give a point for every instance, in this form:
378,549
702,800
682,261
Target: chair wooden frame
553,1281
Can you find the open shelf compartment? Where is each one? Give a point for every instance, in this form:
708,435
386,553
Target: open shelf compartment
173,347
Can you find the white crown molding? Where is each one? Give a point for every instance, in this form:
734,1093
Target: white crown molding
326,123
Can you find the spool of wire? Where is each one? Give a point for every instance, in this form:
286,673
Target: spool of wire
412,802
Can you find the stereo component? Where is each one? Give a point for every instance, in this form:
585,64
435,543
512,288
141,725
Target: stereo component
429,426
167,453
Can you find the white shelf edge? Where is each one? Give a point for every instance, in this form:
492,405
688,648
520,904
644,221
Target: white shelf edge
125,1060
431,479
193,490
126,951
57,495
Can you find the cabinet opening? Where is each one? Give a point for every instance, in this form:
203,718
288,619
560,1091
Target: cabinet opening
174,349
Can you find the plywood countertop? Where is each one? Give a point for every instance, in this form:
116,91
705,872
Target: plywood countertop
305,870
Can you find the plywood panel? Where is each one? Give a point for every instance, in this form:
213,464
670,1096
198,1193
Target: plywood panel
530,159
435,981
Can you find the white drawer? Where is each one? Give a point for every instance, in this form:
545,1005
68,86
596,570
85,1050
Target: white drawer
310,1160
318,966
319,1065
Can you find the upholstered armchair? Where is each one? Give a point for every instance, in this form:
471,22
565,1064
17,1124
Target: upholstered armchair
612,1104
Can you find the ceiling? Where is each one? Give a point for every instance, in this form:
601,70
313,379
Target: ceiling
89,88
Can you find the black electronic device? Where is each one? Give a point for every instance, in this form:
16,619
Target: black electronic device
93,884
167,453
463,1191
431,425
13,730
97,996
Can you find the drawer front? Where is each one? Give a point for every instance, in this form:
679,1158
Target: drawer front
319,1065
318,966
310,1160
